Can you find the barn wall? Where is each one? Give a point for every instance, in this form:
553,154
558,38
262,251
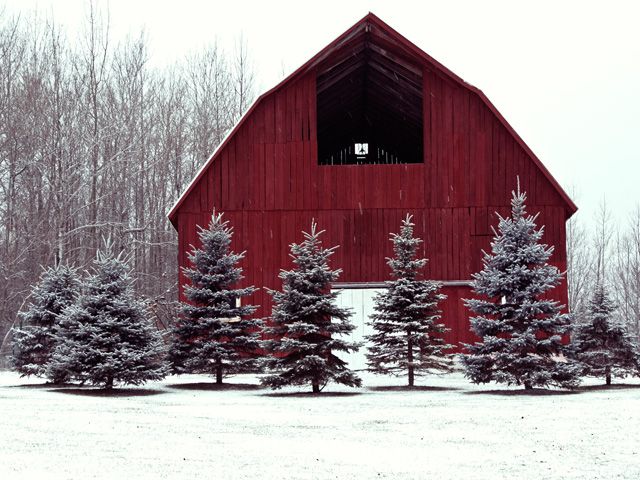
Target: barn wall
268,182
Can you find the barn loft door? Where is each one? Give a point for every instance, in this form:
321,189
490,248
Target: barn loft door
369,103
361,301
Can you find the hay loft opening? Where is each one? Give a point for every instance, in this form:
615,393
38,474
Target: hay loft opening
369,103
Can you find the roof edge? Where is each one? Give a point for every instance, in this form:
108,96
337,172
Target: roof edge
571,206
299,71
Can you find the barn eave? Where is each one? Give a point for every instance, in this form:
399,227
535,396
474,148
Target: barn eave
405,47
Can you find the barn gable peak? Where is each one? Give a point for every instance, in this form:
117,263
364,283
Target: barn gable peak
371,51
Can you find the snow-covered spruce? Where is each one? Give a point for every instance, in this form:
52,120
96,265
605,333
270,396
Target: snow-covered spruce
34,340
306,322
214,334
105,337
601,344
520,331
408,336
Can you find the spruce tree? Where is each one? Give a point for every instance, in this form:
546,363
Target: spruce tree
306,322
105,337
214,334
408,334
521,331
34,341
602,344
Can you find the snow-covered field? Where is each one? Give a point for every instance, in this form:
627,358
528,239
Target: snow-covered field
180,428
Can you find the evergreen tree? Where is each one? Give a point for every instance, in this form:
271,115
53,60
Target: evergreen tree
601,344
34,341
105,336
307,323
214,335
408,335
520,330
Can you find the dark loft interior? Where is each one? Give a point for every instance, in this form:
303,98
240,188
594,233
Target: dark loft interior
369,104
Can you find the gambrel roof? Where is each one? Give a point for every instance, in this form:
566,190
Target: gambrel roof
374,45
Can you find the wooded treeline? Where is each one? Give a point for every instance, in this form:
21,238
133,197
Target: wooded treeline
95,142
608,253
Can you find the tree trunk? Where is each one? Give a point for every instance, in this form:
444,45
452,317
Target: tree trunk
109,384
608,376
315,385
410,360
219,373
527,386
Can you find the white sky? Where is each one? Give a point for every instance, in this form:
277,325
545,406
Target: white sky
565,74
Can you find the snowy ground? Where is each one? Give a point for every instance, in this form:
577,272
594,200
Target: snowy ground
179,428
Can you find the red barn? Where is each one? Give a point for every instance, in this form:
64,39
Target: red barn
368,130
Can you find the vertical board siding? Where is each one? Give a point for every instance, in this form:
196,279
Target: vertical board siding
268,182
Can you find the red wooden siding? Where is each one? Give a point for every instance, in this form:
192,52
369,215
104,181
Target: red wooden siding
267,180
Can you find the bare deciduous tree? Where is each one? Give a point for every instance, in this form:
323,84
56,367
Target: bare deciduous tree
626,273
579,264
94,142
602,235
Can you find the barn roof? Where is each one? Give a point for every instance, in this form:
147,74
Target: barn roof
347,48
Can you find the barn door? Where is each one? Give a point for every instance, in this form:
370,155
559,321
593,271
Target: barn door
360,300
